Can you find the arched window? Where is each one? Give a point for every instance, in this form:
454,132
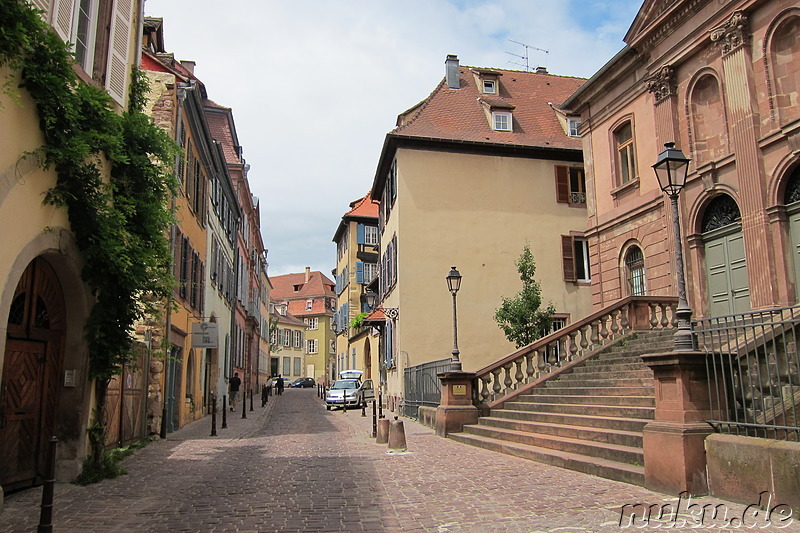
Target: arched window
722,211
634,271
190,375
708,120
786,68
792,193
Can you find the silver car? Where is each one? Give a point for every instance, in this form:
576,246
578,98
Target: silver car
350,392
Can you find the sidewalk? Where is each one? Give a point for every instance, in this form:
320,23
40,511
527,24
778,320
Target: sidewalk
293,466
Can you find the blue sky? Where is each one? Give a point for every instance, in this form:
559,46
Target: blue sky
315,85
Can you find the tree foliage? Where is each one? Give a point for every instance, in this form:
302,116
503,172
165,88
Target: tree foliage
520,317
120,220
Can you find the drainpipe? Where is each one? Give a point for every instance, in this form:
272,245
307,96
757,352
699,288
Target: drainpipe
181,94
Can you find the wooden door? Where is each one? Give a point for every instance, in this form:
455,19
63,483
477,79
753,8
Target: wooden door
20,427
726,268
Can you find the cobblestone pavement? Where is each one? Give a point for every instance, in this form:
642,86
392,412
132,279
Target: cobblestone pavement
293,466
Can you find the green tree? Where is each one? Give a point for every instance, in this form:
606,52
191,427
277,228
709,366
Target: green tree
520,317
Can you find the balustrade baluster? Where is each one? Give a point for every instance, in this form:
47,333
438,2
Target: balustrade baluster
673,311
573,346
603,329
614,325
584,338
552,357
653,318
485,389
507,382
625,321
496,382
519,376
529,369
541,364
595,334
664,319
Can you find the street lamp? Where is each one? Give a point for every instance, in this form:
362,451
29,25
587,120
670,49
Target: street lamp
371,299
671,169
453,284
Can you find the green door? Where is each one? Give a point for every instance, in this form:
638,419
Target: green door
726,269
794,236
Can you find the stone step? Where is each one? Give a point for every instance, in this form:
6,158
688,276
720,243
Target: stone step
632,401
604,359
600,450
572,380
619,411
628,473
573,419
615,369
596,391
609,436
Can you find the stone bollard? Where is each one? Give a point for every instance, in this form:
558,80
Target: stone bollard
397,436
383,431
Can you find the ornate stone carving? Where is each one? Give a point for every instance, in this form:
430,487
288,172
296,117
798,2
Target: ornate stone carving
732,34
662,83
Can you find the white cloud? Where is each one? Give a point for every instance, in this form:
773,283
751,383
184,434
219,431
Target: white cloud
315,85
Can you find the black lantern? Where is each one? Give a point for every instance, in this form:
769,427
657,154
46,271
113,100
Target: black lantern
671,169
454,281
370,298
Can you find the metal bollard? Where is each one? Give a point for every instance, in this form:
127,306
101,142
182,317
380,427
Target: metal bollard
380,405
213,416
244,403
363,408
46,514
397,436
374,420
383,431
251,399
263,395
224,412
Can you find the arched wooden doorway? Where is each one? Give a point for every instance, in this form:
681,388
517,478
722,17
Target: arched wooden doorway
726,266
367,359
32,368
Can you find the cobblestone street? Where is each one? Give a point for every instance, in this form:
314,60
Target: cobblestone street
293,466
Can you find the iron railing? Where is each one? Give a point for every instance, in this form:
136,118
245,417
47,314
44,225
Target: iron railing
752,363
422,386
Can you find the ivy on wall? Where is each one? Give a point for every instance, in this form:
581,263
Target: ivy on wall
120,219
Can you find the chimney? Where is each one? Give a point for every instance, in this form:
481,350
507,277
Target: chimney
188,65
451,71
308,274
541,70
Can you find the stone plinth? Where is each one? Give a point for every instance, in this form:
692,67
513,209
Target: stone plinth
674,452
456,408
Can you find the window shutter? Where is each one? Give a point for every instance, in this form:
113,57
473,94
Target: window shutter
562,184
118,66
359,272
568,257
42,5
62,18
360,234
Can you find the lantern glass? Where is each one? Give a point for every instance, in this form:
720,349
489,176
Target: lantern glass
454,280
671,169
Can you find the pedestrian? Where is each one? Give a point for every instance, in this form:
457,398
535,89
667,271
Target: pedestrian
233,386
264,395
279,386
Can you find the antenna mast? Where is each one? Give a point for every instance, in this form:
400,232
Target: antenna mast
525,57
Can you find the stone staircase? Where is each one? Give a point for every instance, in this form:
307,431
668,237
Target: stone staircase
589,419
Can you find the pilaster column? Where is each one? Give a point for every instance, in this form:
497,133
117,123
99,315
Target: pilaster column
742,109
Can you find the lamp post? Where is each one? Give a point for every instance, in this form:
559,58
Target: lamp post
671,169
453,284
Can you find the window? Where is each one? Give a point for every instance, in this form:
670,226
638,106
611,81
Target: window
287,366
570,185
501,120
626,162
296,341
332,348
575,258
298,366
287,337
574,124
313,323
312,346
371,235
86,12
370,270
489,86
309,304
634,271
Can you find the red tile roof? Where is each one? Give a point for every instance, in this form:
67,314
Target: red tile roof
284,286
461,114
220,123
364,207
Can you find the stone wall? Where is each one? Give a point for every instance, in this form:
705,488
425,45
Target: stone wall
754,471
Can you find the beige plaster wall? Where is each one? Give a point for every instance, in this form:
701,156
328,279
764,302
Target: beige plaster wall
475,213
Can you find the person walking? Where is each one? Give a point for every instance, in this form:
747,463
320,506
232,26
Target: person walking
233,386
279,386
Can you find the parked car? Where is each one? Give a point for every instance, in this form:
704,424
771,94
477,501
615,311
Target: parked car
351,374
350,392
304,383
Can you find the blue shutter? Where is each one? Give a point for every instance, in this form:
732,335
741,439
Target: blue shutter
359,272
360,234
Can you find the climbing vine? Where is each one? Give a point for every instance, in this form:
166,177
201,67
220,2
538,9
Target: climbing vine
119,218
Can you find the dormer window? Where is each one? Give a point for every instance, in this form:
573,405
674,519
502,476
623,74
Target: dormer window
574,124
501,120
489,86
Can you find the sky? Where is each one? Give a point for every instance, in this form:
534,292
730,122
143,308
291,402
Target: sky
315,85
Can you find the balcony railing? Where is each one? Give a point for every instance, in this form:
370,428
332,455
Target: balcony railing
753,364
572,342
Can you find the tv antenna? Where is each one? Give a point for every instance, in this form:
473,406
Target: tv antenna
524,58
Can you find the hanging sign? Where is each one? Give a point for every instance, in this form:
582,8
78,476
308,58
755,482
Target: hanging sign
205,335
